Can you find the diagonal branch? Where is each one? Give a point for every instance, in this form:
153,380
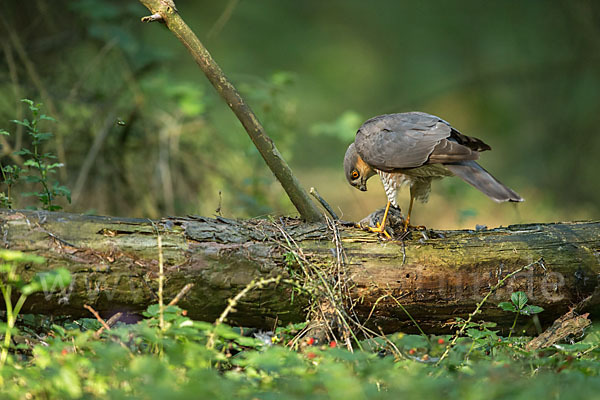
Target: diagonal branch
165,11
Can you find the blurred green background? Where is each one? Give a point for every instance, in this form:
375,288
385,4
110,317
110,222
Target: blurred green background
143,134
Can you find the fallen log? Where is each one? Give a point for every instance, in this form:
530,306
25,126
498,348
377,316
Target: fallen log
569,324
435,276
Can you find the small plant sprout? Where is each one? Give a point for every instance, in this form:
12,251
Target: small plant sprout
518,305
39,165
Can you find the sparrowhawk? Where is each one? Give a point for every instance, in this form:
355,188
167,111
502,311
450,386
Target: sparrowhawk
413,149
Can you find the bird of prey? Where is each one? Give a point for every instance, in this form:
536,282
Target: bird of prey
413,149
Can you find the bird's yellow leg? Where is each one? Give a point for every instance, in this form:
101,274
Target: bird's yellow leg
407,220
381,226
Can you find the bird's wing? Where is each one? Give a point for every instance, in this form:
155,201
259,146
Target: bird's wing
471,142
409,140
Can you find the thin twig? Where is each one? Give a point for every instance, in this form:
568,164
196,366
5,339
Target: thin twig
161,281
324,203
92,65
231,303
110,322
325,287
98,317
223,19
264,144
403,250
107,327
165,137
92,153
410,316
113,320
390,343
181,294
335,293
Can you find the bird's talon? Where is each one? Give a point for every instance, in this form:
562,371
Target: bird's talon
376,230
380,229
409,227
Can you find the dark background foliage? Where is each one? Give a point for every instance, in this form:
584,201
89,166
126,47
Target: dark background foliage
142,133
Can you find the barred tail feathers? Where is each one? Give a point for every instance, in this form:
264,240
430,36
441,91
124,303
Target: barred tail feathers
475,175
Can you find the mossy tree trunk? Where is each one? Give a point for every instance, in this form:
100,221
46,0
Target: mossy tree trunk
435,276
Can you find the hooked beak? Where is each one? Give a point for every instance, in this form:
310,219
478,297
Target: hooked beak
362,186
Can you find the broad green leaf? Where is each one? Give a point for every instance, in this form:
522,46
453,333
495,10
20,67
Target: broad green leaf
55,165
506,306
291,328
42,137
47,118
249,341
23,152
203,325
413,341
59,330
519,299
185,323
153,310
24,123
531,310
226,332
477,334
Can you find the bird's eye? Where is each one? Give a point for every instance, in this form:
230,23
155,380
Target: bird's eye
354,174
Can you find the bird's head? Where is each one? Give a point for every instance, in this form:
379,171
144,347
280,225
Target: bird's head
357,171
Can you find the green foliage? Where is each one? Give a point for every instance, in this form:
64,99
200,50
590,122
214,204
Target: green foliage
144,361
48,281
39,165
518,305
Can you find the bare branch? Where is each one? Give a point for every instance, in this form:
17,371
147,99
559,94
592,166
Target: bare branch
165,11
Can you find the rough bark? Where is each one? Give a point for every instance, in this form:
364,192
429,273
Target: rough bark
435,276
569,324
